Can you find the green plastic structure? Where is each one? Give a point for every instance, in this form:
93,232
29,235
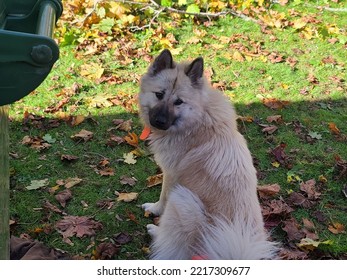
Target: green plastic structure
27,50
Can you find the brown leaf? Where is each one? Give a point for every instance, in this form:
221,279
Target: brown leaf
276,207
122,238
279,154
309,188
77,225
106,251
68,158
132,139
275,118
49,206
154,180
274,103
292,228
270,129
336,228
105,203
125,180
63,196
286,254
84,135
297,199
268,190
115,141
124,125
333,128
108,171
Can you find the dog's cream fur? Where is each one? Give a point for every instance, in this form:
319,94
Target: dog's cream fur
208,203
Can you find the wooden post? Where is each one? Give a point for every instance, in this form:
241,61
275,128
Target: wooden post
4,185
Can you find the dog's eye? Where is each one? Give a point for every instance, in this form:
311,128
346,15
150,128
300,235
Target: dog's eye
178,102
159,94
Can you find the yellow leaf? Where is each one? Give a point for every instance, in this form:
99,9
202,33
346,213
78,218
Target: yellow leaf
92,71
310,245
299,23
238,56
275,164
129,158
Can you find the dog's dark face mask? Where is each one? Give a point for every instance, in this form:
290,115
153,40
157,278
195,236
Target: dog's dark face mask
161,116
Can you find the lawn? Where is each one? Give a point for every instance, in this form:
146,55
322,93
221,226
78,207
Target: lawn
74,147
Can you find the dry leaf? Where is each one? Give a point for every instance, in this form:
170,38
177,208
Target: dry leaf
269,129
275,118
127,197
106,251
336,228
268,190
70,182
108,171
125,180
132,139
63,196
154,180
274,103
333,128
77,225
68,158
84,135
129,158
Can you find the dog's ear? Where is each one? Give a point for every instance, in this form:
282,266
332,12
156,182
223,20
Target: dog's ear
195,70
163,61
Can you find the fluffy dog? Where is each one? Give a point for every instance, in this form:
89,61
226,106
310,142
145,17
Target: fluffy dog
208,203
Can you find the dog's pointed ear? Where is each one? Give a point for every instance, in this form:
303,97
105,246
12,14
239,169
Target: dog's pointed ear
163,61
195,70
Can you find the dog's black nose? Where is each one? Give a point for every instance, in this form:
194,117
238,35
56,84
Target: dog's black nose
160,122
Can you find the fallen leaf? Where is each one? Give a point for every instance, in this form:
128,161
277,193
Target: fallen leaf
132,139
286,254
298,199
106,251
36,184
274,103
77,225
309,188
68,158
127,197
333,128
63,196
124,125
108,171
154,180
84,135
292,228
336,228
122,238
309,244
279,154
129,158
126,180
270,129
275,118
70,182
51,207
268,190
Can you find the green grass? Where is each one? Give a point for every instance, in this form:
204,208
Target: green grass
247,82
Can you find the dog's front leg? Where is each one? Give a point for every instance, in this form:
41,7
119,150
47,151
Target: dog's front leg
157,208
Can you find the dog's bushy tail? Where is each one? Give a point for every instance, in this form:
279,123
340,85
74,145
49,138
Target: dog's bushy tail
193,232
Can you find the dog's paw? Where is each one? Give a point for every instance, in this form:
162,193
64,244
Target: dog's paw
154,208
152,230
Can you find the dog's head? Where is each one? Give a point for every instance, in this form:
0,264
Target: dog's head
172,94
